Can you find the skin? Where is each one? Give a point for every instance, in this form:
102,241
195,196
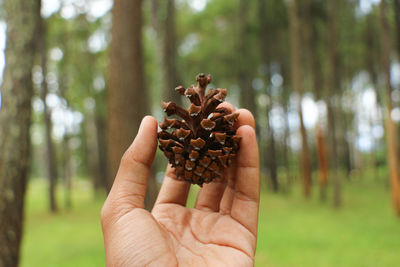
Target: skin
221,230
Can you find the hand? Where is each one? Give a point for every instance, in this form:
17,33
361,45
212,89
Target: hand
221,230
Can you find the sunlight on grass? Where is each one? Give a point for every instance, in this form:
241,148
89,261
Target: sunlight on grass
292,231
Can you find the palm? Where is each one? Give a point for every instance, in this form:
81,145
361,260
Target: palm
204,237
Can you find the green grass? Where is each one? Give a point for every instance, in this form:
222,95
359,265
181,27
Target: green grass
68,238
292,231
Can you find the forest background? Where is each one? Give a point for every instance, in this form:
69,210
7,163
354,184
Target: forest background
321,77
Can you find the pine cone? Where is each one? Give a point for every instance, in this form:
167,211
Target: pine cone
204,142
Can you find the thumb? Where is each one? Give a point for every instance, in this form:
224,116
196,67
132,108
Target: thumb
134,170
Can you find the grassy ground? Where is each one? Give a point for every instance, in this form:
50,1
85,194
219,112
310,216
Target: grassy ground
292,231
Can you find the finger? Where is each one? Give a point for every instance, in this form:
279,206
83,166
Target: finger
134,170
247,188
227,105
210,195
227,198
245,118
173,191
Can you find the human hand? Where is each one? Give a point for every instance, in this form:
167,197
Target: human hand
221,229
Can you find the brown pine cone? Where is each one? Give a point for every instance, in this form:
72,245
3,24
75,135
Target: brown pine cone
204,142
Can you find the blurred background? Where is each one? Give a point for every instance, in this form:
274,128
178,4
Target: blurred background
321,77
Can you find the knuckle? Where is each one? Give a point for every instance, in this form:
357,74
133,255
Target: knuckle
106,213
126,157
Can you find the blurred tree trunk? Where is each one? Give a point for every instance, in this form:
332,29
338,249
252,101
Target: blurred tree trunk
343,126
391,142
67,170
370,41
270,152
286,136
397,20
50,154
170,55
127,95
96,148
322,161
100,123
15,119
311,36
92,149
247,94
163,16
64,79
296,73
311,39
332,81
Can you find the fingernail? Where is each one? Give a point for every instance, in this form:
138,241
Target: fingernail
142,124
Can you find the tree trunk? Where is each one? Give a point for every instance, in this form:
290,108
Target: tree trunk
391,142
15,118
247,94
311,39
322,162
100,122
92,150
50,154
332,81
127,95
66,155
67,171
346,156
315,67
169,55
286,137
295,48
163,20
397,20
287,153
270,152
371,64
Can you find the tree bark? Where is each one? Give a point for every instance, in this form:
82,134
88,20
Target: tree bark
100,122
346,156
371,64
67,171
63,82
322,162
92,150
247,94
169,55
296,73
270,152
163,20
332,81
391,142
50,153
127,95
397,21
15,118
312,37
